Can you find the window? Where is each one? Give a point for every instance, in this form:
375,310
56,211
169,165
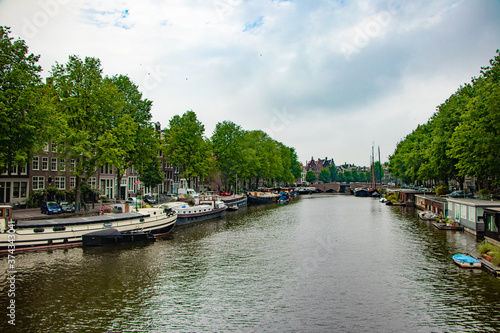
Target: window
457,212
92,182
35,165
72,164
19,189
38,183
463,212
15,190
72,182
491,224
24,188
54,147
472,213
53,164
60,183
46,148
45,163
22,169
62,164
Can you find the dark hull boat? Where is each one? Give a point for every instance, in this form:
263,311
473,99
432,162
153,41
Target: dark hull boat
113,236
258,198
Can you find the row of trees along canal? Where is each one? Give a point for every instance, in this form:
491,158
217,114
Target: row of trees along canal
96,120
461,139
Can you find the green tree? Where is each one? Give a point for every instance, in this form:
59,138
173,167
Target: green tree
476,140
310,176
87,107
324,175
227,140
187,147
333,172
151,174
131,129
25,106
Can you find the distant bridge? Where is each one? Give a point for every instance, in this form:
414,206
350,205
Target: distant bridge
339,187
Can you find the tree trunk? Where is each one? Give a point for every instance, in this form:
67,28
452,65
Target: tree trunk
119,177
78,181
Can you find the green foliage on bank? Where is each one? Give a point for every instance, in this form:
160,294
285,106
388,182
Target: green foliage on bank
491,250
95,120
461,139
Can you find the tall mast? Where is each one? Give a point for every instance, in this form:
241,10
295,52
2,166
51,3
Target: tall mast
374,185
380,165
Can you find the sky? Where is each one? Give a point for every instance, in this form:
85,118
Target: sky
328,78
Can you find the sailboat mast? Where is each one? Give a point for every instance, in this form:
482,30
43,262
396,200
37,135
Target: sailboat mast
374,184
380,165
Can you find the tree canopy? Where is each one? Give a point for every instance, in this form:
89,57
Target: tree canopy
461,138
25,107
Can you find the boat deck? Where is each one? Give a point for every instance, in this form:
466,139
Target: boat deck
79,220
489,266
443,226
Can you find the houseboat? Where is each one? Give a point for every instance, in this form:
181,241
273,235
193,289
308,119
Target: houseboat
431,203
470,213
66,232
492,225
205,207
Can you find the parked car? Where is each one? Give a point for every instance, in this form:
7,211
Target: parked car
150,200
66,207
223,193
459,194
132,201
50,207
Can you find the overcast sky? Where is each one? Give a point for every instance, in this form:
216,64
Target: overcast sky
329,78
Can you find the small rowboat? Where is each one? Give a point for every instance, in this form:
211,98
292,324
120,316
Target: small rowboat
465,261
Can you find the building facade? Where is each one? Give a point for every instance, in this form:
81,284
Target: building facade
46,169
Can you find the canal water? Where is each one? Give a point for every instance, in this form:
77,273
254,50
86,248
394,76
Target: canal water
324,263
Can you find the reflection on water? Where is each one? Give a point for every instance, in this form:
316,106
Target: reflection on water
322,263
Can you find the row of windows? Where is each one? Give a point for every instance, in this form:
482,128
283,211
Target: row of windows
38,182
55,163
465,212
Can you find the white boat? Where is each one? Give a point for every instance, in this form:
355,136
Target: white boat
64,232
206,207
426,215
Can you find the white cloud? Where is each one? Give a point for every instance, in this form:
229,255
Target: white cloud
347,73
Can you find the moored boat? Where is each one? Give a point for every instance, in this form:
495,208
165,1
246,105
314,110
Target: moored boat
207,207
257,198
466,261
113,236
426,215
66,232
234,201
361,192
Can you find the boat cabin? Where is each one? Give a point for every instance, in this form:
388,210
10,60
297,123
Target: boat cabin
432,203
492,225
5,217
470,213
407,196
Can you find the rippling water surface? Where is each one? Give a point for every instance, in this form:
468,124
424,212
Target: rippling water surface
326,263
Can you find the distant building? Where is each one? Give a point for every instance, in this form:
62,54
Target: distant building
317,165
